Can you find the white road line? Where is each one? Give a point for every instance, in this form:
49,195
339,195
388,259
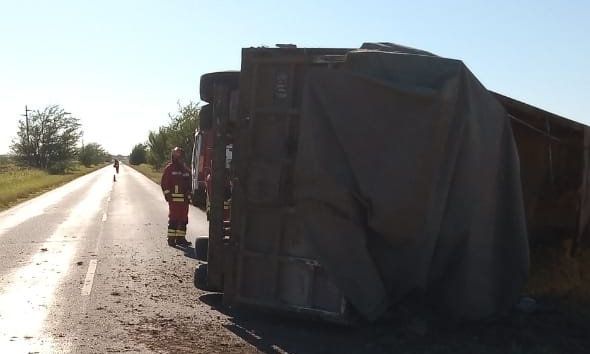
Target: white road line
106,207
87,287
28,292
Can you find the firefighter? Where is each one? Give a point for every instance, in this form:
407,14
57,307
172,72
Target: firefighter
176,186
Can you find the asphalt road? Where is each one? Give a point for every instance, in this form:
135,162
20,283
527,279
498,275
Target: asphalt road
86,268
70,256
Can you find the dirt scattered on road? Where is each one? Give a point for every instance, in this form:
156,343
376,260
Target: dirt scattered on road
159,310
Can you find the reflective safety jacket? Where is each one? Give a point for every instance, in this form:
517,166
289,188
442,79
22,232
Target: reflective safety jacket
176,183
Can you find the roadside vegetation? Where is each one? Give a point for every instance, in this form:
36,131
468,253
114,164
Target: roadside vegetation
150,157
18,183
93,154
180,131
46,153
149,171
138,154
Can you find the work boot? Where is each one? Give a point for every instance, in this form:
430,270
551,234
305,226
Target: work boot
181,241
172,241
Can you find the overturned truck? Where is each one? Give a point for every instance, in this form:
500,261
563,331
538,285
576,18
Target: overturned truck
362,177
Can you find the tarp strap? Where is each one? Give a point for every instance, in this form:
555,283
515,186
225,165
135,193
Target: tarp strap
584,203
533,128
551,174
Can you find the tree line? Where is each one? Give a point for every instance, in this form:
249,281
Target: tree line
49,139
179,131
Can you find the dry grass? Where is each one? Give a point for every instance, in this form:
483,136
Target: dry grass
561,278
19,183
149,171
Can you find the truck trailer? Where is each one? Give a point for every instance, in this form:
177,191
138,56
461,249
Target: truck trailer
323,225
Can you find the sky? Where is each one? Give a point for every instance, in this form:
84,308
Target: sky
122,66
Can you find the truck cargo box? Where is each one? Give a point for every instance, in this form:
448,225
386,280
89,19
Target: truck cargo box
555,170
274,265
268,257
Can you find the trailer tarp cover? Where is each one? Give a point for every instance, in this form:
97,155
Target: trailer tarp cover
407,182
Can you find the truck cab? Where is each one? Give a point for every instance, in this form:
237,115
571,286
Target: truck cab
201,166
202,163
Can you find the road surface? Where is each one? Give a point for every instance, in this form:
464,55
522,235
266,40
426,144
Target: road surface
85,268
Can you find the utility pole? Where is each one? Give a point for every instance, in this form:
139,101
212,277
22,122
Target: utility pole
26,115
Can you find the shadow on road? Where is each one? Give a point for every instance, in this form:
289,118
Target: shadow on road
189,251
270,333
407,331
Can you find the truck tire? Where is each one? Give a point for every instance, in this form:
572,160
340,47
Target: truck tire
200,278
201,248
206,117
207,206
199,199
208,81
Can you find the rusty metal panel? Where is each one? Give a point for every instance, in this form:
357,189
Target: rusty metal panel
553,168
264,182
274,265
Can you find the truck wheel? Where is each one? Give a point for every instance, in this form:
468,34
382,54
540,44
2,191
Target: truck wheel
207,206
202,197
201,248
200,279
196,198
206,117
208,81
199,198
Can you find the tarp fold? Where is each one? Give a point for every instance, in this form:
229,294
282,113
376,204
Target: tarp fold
407,179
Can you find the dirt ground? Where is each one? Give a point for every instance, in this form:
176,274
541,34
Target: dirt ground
175,317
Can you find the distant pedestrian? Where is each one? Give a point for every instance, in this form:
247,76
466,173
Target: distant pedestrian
116,166
176,186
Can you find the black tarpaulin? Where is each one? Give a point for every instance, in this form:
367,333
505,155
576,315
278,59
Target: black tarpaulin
407,179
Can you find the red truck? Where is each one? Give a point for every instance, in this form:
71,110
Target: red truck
201,166
202,156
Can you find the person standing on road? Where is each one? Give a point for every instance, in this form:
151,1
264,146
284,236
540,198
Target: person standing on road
116,166
176,186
